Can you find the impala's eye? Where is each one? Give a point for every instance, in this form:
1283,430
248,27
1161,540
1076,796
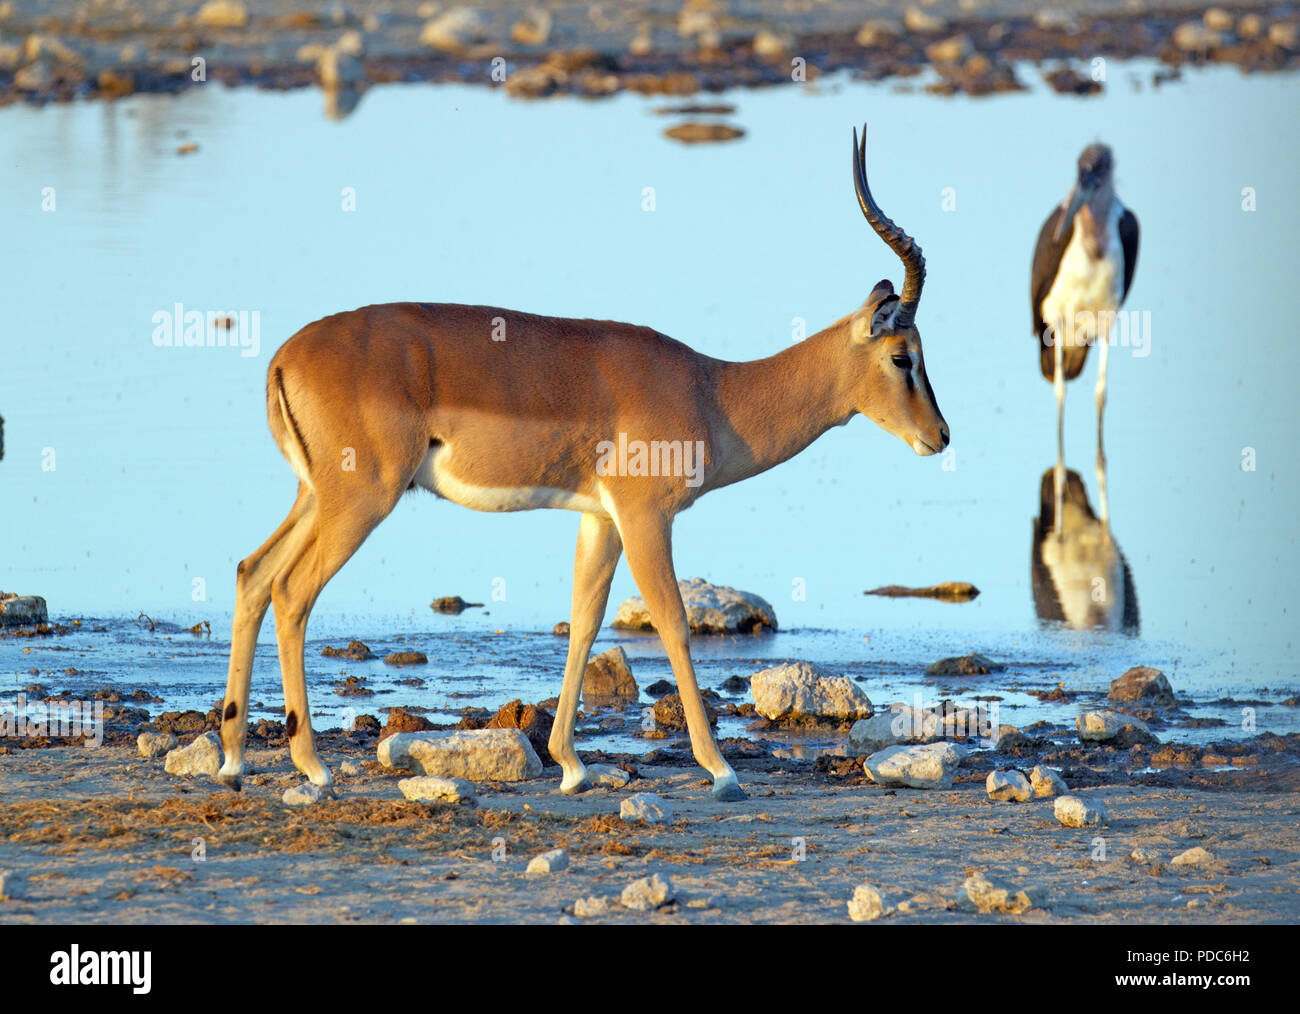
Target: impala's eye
902,362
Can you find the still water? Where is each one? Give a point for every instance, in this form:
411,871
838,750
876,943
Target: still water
135,477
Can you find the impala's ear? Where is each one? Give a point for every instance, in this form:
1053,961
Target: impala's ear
877,313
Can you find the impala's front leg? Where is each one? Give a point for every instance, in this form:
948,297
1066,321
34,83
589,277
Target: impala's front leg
593,569
647,540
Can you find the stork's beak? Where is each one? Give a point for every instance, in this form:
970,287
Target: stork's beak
1079,196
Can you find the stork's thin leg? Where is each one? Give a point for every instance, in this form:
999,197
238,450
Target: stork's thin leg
647,540
593,568
1058,382
1101,454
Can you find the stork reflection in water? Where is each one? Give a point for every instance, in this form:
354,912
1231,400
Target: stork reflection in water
1079,575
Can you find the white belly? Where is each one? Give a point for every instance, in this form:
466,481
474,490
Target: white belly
435,476
1084,286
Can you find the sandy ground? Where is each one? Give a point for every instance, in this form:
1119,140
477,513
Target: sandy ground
104,836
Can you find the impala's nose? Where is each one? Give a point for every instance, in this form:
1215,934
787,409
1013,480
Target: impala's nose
943,433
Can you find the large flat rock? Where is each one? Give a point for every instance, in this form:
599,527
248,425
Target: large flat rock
478,755
710,609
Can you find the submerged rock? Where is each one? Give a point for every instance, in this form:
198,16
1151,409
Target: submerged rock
1142,684
710,609
608,677
406,658
803,690
452,605
480,755
947,591
22,610
1119,730
355,651
202,757
964,665
670,715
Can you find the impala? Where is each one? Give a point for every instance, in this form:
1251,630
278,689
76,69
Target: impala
424,397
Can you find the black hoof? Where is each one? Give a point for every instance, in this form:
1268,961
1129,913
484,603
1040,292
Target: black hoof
729,792
231,781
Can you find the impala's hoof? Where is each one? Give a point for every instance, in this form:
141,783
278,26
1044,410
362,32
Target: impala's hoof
231,781
728,791
583,785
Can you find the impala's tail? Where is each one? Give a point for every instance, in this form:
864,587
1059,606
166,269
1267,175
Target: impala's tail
284,427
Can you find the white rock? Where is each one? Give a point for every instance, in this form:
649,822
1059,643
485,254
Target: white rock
901,723
922,23
769,44
710,609
1193,857
1194,37
306,794
348,768
1101,726
222,14
607,774
801,689
549,862
1008,786
587,908
646,807
202,757
1046,782
457,29
648,893
13,886
155,744
479,755
1075,812
923,766
432,788
1285,34
867,905
979,894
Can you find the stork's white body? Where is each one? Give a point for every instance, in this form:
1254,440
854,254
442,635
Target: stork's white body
1089,281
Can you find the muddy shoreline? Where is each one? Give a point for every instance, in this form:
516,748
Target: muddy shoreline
59,52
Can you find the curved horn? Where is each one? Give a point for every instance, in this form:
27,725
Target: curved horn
909,252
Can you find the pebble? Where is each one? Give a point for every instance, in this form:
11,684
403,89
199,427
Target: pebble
202,757
1008,786
647,894
306,794
13,886
549,862
979,894
922,23
222,14
155,744
435,788
866,905
1047,783
1074,812
1285,34
348,768
646,807
455,30
1193,857
1144,855
587,908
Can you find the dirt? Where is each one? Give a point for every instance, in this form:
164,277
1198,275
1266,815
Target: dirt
106,836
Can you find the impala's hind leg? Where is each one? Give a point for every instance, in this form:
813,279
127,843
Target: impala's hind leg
336,534
252,597
597,556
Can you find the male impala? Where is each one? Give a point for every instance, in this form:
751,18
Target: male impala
424,396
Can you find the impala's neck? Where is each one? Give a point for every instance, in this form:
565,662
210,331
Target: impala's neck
771,409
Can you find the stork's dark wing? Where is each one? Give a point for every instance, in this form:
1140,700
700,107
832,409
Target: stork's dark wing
1047,258
1128,237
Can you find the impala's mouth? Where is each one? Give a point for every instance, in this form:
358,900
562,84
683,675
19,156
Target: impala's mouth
922,448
